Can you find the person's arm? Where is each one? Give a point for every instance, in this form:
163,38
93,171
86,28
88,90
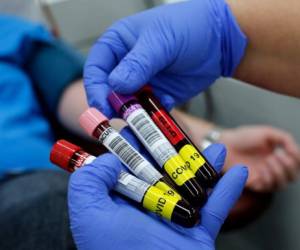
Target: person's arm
257,147
72,103
56,71
99,218
272,57
272,155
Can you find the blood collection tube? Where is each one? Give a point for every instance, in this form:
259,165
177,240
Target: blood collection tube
181,142
159,147
97,125
71,157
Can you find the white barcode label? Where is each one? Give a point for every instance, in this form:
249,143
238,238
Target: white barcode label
131,158
150,135
164,153
145,128
131,187
126,153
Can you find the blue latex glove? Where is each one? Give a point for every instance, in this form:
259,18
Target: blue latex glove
180,48
100,220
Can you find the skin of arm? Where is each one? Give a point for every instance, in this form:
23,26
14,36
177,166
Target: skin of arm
72,104
271,154
272,58
269,169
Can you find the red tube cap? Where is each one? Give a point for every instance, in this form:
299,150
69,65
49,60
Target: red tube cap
62,152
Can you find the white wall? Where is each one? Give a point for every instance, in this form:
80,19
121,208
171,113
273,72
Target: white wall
82,21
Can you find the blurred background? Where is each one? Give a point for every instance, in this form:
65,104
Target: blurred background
80,23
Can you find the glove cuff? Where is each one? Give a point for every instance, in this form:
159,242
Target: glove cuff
233,40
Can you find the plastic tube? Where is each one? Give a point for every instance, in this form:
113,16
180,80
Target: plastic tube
199,165
159,147
71,157
97,125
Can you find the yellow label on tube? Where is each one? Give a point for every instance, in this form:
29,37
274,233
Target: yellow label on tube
178,170
161,204
192,157
167,189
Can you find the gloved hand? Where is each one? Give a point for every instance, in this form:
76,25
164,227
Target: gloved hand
180,48
103,220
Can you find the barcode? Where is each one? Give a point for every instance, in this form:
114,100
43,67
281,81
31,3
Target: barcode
163,153
123,176
134,185
146,129
130,157
131,187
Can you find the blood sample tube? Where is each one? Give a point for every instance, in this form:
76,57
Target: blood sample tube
159,147
71,157
97,125
182,143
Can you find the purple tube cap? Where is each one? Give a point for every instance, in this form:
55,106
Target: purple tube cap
117,100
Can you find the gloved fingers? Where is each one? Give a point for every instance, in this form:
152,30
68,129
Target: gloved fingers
222,199
172,89
90,186
119,199
151,54
216,155
103,57
165,99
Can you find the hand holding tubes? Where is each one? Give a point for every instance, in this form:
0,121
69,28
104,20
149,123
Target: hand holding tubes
181,49
99,218
165,204
94,209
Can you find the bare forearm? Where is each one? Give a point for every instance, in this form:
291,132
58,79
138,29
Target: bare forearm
272,58
72,104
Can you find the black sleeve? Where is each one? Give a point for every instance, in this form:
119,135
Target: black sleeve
53,67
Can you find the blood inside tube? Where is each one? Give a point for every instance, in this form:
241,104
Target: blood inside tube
183,145
98,126
159,147
166,125
71,157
